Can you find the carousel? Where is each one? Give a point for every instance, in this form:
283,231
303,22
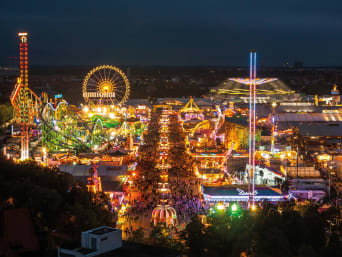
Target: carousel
164,175
164,214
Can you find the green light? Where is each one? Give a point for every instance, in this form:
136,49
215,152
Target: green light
234,207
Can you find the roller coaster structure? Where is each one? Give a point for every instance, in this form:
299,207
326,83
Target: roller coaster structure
63,130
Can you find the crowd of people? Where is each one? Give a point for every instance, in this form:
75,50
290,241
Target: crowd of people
184,195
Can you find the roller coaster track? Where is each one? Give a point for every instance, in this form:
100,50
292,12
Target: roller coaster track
32,101
66,127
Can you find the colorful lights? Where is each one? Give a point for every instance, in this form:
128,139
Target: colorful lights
252,82
234,207
86,109
106,84
220,206
235,210
249,81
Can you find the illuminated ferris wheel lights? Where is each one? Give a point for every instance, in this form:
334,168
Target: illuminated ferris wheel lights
106,84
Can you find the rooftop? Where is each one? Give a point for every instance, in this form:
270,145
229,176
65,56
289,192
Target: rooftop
130,249
235,190
103,231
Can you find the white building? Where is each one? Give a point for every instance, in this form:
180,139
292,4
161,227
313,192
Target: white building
95,242
264,175
308,188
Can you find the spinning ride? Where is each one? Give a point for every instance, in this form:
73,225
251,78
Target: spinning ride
106,84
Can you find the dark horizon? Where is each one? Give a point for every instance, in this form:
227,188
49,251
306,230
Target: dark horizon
290,66
191,33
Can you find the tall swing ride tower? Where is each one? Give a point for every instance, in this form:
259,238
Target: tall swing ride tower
252,94
252,82
24,101
24,110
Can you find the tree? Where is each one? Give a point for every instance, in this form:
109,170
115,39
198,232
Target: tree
194,236
307,251
56,201
6,113
282,230
161,237
137,235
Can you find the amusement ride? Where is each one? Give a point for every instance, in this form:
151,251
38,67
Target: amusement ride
102,121
107,85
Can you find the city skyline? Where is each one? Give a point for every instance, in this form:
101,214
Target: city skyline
177,33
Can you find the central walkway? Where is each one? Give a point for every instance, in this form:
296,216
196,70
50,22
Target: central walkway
165,174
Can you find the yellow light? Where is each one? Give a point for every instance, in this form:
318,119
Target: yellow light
220,206
86,109
44,150
253,207
274,104
111,115
98,109
104,109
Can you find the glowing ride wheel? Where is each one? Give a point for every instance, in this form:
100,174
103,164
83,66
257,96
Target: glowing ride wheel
106,84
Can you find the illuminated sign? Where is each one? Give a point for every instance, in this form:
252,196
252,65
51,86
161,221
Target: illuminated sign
242,192
98,95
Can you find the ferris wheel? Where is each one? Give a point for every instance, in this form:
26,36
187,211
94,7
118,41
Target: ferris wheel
106,84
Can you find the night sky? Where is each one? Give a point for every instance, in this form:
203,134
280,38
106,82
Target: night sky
187,32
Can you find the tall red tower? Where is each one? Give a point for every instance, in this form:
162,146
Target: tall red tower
24,110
